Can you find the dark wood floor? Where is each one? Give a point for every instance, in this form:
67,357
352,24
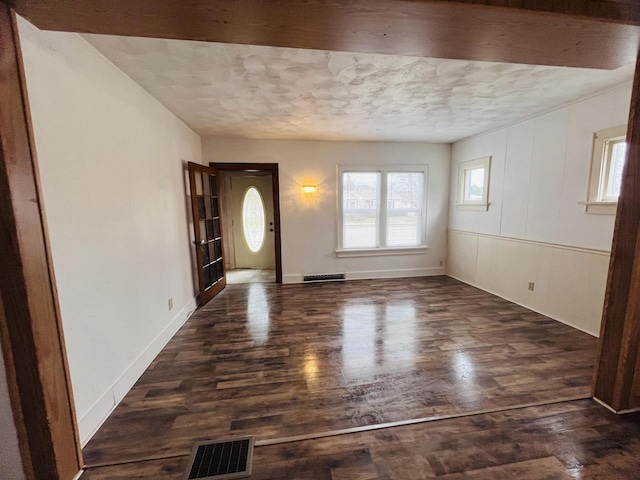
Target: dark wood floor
570,440
276,361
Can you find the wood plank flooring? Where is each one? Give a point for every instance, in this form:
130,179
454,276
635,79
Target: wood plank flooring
570,440
283,360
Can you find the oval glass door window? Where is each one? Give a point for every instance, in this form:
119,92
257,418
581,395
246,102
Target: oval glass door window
253,219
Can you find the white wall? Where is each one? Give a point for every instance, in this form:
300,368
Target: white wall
539,173
10,460
112,163
309,229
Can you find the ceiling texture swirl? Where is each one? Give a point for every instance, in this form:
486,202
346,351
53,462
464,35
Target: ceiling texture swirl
284,93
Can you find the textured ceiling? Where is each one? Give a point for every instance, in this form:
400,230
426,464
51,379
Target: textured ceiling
284,93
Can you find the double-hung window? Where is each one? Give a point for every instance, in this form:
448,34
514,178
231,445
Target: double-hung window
607,162
473,184
382,209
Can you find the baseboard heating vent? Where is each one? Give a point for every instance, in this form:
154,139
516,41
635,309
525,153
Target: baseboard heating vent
325,277
224,459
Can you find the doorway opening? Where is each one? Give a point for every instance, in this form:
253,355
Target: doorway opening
251,222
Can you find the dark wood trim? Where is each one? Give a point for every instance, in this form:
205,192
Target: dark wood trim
30,327
618,350
579,33
627,12
275,179
56,300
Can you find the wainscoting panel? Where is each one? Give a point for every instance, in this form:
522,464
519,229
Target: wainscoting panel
568,282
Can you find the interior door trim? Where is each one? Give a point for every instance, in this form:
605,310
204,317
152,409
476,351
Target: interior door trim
275,179
33,346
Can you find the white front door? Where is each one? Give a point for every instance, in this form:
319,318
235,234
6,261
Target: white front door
253,231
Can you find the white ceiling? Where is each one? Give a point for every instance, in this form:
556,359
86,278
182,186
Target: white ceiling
284,93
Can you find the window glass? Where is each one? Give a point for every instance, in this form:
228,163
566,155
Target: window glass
253,219
607,162
361,201
617,154
404,208
474,184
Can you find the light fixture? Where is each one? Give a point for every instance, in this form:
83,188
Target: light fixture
309,189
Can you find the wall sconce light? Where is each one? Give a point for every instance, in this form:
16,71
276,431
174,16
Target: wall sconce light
309,189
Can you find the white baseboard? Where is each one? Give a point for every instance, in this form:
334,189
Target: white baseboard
524,305
292,278
373,274
93,419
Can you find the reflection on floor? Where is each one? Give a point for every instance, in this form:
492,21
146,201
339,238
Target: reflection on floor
569,440
250,275
281,360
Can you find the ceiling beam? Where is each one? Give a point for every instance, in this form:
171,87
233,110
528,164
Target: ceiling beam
617,11
586,33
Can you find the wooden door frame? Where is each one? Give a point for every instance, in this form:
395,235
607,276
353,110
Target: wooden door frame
30,326
271,168
30,323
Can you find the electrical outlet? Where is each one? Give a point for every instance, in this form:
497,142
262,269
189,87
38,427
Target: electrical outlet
170,304
531,286
441,263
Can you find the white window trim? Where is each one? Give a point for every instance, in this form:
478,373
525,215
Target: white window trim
594,203
475,205
381,248
376,252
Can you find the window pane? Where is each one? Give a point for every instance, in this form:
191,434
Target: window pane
404,208
253,219
361,200
618,155
474,184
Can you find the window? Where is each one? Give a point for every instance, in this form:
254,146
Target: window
404,208
473,184
361,211
607,162
382,209
253,219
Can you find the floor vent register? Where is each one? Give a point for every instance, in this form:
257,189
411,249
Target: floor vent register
224,459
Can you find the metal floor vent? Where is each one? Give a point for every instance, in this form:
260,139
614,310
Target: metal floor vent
326,277
224,459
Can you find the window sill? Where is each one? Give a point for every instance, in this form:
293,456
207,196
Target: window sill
600,208
474,207
377,252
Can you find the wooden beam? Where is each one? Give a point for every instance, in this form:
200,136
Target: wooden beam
586,33
618,361
619,11
30,329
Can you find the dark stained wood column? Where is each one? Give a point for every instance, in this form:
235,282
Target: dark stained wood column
617,376
30,329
